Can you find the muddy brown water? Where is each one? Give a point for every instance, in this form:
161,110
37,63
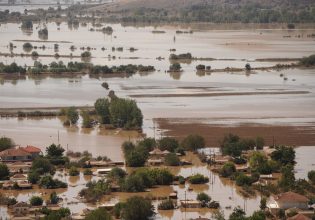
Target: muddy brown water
288,109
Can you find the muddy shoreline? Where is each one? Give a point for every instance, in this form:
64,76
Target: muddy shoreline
286,134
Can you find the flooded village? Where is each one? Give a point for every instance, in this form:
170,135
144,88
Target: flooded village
132,110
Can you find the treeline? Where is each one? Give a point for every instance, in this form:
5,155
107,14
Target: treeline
74,67
231,12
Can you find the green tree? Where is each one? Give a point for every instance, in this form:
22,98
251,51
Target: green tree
168,143
258,162
287,179
86,119
4,171
228,169
42,165
54,150
263,203
36,201
193,142
72,115
237,214
6,143
203,197
102,110
285,155
171,160
138,208
311,176
136,159
98,214
198,179
258,215
147,143
242,180
260,143
73,171
54,198
33,177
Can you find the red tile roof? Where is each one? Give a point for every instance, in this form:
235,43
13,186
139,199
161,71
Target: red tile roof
32,149
291,197
299,217
14,152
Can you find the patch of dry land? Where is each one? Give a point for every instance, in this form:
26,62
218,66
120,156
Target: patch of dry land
292,135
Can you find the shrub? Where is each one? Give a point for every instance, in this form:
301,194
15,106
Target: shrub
193,142
242,180
198,179
166,205
171,160
36,201
99,213
175,67
74,171
168,143
87,172
203,197
311,176
47,182
4,171
137,208
6,143
228,169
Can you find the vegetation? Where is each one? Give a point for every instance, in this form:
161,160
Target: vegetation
62,213
171,160
175,67
284,155
74,171
11,68
168,143
311,176
87,122
6,143
72,115
198,179
42,165
87,172
47,182
95,190
203,197
137,208
98,214
308,61
121,113
36,201
55,154
86,54
4,171
27,24
166,205
228,169
193,142
184,56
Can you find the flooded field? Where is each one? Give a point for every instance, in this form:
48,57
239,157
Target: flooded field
265,98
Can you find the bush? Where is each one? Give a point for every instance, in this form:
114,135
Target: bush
171,160
72,115
137,208
168,143
203,197
33,177
42,165
95,190
242,180
308,61
201,67
117,173
166,205
181,180
136,159
198,179
34,54
6,143
47,182
193,142
36,201
86,54
311,176
87,172
98,214
175,67
74,171
228,169
4,171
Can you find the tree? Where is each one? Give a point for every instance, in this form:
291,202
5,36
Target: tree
167,204
263,203
285,155
98,214
54,199
147,143
4,171
33,177
136,159
258,162
175,67
42,165
287,179
203,197
218,215
260,143
193,142
171,160
54,150
237,214
137,208
72,115
86,119
102,110
198,179
6,143
74,171
168,143
242,180
258,215
47,182
248,67
36,201
228,169
311,176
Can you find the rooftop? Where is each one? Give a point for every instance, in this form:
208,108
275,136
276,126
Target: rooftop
291,197
299,217
14,152
31,149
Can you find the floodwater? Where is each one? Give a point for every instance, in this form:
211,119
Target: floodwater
242,45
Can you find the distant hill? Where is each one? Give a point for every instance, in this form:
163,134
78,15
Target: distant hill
219,11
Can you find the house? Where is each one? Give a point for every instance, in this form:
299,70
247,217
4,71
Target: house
158,153
288,200
34,151
20,208
19,167
190,203
24,184
8,184
155,162
15,154
299,217
18,176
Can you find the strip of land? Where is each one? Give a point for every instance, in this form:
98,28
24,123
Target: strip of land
292,135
